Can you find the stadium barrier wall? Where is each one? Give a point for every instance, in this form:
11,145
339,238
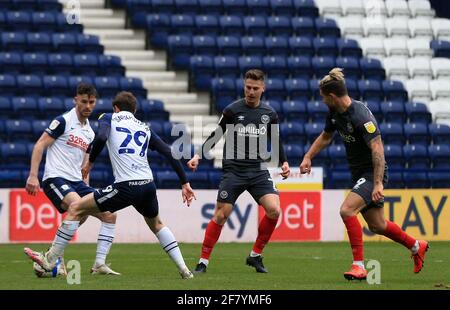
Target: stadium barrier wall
306,216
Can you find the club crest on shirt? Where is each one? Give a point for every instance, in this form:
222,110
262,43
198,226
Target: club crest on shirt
223,194
349,127
370,127
265,119
53,124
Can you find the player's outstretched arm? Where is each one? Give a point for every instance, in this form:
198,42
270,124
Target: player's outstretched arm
319,144
32,186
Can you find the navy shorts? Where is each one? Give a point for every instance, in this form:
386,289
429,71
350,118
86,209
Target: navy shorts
141,194
57,188
364,187
257,183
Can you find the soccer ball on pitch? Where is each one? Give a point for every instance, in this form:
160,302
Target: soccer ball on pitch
58,270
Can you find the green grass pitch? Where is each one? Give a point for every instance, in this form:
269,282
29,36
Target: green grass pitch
292,266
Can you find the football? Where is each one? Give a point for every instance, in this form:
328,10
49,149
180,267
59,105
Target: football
58,270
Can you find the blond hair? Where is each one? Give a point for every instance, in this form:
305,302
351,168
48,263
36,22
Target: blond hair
334,83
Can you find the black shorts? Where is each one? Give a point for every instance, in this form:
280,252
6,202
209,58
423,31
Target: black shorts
364,187
57,188
257,183
141,194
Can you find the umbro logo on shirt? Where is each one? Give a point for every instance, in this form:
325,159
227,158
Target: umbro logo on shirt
240,117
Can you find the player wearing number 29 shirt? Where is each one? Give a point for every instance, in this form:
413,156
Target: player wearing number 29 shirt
365,155
127,139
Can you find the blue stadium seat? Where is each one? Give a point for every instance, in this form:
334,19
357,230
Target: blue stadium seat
187,6
111,65
214,177
300,67
88,43
167,179
163,6
207,25
102,106
202,71
255,26
50,107
282,7
338,156
12,178
27,5
259,7
440,156
395,180
75,80
198,179
394,156
317,111
107,87
158,27
7,85
416,156
5,108
372,69
275,67
351,67
86,64
303,26
418,113
60,63
298,89
314,87
44,21
325,47
393,111
154,110
18,130
29,85
69,103
416,179
235,7
295,111
417,133
277,46
157,127
439,179
224,92
63,42
10,63
180,50
293,153
440,133
19,20
276,105
204,45
327,27
38,128
24,107
63,26
133,85
341,179
292,132
301,46
352,87
253,46
313,130
349,48
57,85
226,66
279,26
211,6
249,62
375,107
35,63
229,46
3,132
441,48
275,89
322,65
182,24
371,90
306,8
50,5
392,133
231,25
395,90
14,41
97,178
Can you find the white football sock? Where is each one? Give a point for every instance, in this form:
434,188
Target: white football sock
204,261
360,263
254,254
63,236
415,248
170,245
104,242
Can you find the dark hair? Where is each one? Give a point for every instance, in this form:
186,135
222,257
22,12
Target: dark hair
86,89
334,83
254,74
125,101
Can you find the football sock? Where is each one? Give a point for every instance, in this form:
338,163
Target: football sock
170,245
104,242
265,230
63,236
359,263
212,234
204,261
415,248
395,233
354,231
254,254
